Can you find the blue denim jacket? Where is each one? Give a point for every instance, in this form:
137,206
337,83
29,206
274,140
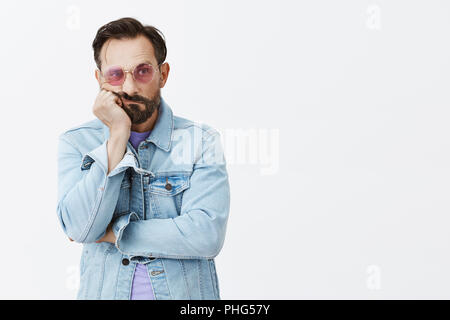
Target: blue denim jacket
168,203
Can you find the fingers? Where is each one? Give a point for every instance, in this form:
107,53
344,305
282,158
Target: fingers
117,97
108,97
107,92
103,90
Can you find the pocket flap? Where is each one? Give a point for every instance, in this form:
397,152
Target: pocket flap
169,184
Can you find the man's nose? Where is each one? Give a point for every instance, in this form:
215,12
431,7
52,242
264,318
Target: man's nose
129,85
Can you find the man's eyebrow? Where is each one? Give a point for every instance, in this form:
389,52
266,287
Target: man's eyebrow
147,61
142,61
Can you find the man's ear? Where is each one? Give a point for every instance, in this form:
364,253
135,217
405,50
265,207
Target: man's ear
97,76
165,68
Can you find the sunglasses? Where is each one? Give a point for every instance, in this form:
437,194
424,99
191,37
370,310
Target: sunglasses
142,73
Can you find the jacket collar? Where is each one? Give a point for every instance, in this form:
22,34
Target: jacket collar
161,134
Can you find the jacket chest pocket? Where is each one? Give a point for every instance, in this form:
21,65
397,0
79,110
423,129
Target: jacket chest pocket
166,193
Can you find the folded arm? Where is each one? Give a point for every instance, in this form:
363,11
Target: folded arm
199,230
87,193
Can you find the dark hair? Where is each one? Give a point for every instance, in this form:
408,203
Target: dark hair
129,28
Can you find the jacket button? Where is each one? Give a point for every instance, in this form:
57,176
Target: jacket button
125,261
168,185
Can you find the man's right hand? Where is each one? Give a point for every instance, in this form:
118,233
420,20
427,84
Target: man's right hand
107,108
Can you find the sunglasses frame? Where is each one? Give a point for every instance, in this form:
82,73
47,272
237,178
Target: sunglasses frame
131,71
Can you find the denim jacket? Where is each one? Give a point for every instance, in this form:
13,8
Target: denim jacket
168,202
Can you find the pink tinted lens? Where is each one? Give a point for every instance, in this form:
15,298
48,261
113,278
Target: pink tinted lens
143,72
114,75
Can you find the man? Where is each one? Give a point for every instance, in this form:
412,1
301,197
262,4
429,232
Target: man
146,192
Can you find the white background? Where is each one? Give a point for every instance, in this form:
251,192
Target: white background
352,97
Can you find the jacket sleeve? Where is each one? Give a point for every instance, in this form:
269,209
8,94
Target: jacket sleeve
87,196
199,231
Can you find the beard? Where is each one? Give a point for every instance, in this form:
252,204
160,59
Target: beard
134,112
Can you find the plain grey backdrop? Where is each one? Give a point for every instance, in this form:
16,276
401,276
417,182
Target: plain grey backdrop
335,121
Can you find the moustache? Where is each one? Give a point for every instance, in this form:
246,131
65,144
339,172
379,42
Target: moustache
135,98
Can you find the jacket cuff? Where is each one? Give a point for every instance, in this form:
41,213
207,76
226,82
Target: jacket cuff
100,155
120,224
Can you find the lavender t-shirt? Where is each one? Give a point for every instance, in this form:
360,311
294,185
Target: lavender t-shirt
141,288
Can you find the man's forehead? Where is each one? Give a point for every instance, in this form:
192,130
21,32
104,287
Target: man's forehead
127,52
